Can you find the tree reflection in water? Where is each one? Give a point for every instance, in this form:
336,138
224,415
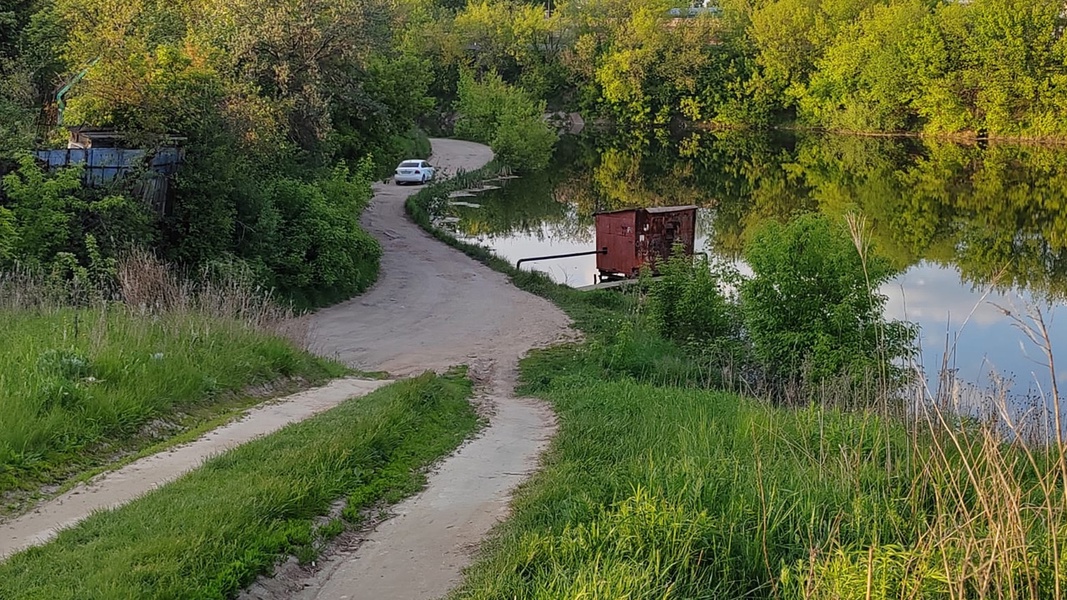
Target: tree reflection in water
956,218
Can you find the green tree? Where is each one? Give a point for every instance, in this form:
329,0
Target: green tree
505,117
1012,49
865,81
44,207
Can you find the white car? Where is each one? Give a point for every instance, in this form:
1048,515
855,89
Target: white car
413,171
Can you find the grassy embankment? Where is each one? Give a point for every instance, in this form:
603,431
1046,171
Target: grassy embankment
659,487
86,384
211,532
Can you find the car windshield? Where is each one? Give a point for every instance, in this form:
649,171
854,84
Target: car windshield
409,163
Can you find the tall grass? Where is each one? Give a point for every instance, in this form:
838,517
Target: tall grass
211,532
660,491
81,373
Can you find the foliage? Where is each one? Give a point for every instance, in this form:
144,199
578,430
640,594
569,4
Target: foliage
812,305
8,239
213,531
43,206
265,97
991,65
524,141
14,118
50,214
505,117
311,238
690,303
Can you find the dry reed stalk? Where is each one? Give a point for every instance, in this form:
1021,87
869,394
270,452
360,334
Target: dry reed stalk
147,285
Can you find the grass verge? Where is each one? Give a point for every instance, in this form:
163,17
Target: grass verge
83,387
211,532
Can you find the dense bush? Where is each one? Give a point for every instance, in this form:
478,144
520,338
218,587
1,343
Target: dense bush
812,305
51,214
810,312
314,247
506,118
690,304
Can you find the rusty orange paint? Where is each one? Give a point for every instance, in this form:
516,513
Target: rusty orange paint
639,237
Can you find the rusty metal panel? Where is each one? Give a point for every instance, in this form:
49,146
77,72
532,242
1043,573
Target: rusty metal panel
643,237
617,231
660,230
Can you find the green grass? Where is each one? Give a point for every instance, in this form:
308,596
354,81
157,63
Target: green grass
81,386
210,533
653,491
659,487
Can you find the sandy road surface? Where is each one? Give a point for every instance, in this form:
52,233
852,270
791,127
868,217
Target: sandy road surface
432,308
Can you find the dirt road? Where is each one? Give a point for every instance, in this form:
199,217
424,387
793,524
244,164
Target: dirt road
432,308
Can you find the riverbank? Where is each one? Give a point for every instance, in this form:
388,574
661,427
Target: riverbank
679,492
662,483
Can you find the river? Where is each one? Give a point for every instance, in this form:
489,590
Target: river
971,228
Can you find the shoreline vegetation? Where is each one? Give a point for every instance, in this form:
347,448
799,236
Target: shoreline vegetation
672,477
969,137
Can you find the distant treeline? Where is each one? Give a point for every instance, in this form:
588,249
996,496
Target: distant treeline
997,67
290,108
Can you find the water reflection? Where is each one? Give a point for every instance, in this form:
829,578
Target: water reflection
968,226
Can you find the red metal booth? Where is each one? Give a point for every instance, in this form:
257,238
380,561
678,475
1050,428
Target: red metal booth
636,237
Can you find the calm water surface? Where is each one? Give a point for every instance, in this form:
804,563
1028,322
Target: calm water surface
969,227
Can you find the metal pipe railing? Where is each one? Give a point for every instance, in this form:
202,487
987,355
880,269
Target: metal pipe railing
518,265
